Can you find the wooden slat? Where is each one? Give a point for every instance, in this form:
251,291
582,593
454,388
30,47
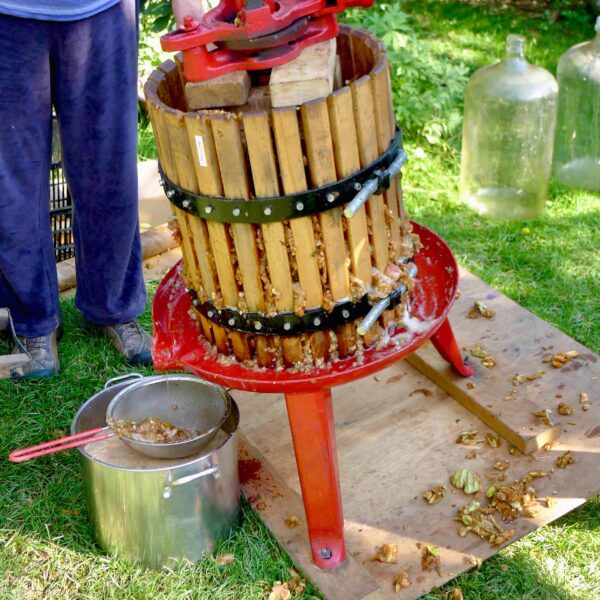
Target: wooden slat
209,182
173,81
200,234
233,168
264,176
321,163
368,148
293,178
385,122
364,117
347,159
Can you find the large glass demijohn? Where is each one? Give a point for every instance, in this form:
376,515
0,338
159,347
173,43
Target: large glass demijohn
577,144
510,115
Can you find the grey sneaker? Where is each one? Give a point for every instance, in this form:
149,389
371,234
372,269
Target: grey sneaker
44,357
131,341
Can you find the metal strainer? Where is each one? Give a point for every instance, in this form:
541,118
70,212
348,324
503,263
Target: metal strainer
185,401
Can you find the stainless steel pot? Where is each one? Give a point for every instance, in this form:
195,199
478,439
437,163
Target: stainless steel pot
165,511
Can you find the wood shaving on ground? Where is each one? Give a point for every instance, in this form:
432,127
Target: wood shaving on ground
501,465
434,495
430,559
560,359
468,437
564,409
261,505
544,415
388,553
487,360
471,455
457,594
471,385
480,309
280,591
292,522
492,440
566,459
224,559
473,560
401,581
481,522
466,480
509,502
295,586
519,379
584,400
547,446
423,391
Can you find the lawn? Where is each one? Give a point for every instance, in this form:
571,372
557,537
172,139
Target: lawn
549,265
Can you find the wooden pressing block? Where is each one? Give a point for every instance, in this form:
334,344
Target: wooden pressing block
230,89
307,77
396,435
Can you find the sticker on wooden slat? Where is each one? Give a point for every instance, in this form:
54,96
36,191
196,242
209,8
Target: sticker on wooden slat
201,151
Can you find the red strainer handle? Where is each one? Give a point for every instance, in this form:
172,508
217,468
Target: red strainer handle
70,441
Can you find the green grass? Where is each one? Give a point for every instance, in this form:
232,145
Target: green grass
549,265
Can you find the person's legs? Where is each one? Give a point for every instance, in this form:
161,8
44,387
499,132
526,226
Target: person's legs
94,81
28,283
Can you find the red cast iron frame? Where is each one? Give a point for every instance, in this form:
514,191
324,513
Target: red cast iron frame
253,34
308,395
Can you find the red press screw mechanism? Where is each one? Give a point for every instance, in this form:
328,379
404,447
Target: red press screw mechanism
253,34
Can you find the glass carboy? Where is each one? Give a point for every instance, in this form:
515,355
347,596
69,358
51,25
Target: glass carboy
510,115
577,144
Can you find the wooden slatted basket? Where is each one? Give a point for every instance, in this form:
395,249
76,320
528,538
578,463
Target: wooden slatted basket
306,262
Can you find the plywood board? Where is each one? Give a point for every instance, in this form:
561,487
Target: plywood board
395,442
519,342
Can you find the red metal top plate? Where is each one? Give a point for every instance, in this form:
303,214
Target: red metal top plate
178,344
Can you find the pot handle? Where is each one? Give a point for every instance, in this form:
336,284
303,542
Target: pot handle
114,380
169,484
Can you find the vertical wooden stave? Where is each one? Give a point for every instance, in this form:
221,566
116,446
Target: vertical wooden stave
220,244
385,122
322,169
362,96
234,176
263,164
347,159
293,178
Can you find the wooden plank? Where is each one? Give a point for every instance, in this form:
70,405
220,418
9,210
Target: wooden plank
347,159
230,89
234,175
364,116
385,125
394,443
199,229
517,350
293,179
309,76
209,182
264,175
322,169
262,486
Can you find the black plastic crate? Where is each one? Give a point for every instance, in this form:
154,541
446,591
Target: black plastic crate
61,205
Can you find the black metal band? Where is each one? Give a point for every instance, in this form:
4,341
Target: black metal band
282,208
288,323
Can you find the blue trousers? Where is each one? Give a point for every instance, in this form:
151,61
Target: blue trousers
87,69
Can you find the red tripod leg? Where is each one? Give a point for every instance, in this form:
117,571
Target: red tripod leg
313,434
445,343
